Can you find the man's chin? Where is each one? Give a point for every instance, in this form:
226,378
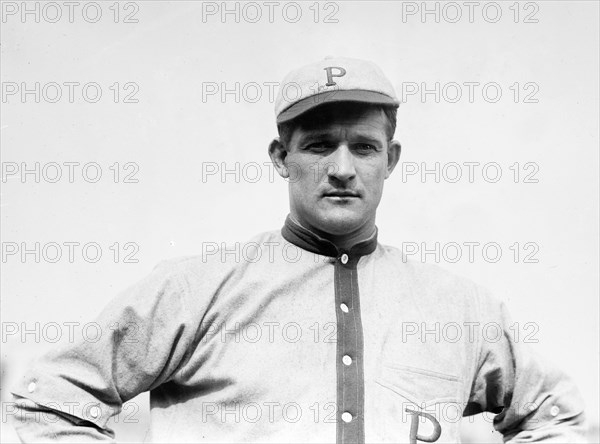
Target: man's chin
339,222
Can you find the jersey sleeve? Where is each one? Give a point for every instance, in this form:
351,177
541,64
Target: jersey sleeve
532,399
142,338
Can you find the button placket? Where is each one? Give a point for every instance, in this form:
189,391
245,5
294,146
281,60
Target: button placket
350,377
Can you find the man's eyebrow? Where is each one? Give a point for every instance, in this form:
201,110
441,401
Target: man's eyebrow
367,138
317,135
328,135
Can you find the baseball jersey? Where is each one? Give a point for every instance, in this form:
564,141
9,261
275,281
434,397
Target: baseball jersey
287,338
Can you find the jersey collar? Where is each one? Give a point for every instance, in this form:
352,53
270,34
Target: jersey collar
307,240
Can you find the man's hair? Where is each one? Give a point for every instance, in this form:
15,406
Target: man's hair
327,112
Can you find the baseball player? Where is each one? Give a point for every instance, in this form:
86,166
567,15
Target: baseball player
311,333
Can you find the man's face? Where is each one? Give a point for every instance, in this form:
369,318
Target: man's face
337,169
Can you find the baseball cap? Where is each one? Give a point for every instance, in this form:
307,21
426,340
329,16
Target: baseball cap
333,79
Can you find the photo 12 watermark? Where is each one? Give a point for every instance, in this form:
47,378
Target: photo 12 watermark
129,412
70,12
449,252
470,12
486,172
68,332
54,252
70,92
70,172
452,91
270,12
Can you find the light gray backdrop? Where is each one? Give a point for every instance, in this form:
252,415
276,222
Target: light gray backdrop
172,103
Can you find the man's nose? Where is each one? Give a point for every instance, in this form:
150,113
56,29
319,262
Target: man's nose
341,164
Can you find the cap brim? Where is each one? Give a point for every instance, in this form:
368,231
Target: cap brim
361,96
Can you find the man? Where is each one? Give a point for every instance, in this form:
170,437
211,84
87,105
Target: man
311,336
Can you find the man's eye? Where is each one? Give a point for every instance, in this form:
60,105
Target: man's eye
364,147
319,147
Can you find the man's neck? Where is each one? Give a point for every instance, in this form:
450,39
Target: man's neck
344,241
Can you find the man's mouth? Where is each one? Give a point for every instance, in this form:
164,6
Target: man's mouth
341,194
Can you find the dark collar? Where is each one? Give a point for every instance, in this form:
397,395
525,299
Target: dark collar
307,240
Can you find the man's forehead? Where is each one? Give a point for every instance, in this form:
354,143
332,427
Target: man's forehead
366,120
371,130
339,128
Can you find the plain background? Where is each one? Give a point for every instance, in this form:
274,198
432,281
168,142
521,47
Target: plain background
174,131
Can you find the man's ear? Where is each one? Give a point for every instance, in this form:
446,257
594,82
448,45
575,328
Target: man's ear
277,153
393,156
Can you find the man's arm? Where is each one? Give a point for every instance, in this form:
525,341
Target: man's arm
36,423
534,401
146,334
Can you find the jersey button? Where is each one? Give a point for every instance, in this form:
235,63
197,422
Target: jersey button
31,387
346,417
95,412
344,258
347,360
344,307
